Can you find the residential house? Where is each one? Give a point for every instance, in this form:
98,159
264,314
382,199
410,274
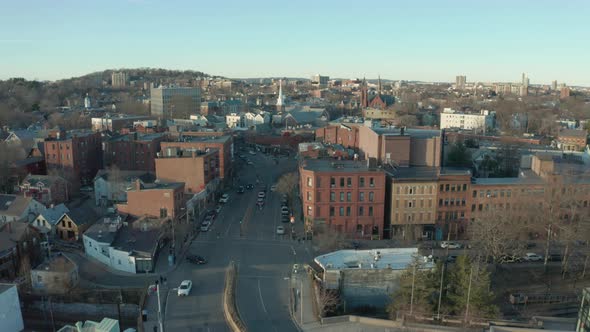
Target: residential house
305,116
28,244
11,318
235,121
199,120
110,186
57,275
19,208
74,223
572,139
8,257
46,189
47,220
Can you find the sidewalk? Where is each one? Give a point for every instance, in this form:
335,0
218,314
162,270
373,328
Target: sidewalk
150,308
303,307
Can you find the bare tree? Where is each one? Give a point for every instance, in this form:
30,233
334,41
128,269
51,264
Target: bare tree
328,300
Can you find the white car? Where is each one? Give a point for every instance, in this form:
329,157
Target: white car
273,188
261,194
284,210
252,153
224,198
450,245
532,257
218,208
205,225
280,230
185,288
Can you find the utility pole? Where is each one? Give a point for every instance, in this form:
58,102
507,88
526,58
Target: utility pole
547,247
159,309
442,273
301,300
412,295
468,294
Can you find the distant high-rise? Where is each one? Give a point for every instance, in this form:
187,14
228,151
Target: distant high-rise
554,85
119,79
87,102
524,86
319,80
460,82
281,98
175,102
564,92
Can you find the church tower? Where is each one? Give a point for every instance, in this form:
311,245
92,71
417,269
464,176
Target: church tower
364,94
281,98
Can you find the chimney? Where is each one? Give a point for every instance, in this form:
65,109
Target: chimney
137,184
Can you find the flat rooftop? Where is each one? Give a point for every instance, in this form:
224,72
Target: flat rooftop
386,258
526,177
333,165
415,173
412,132
214,139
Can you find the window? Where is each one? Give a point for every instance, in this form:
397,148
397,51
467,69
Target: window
317,197
441,187
447,187
411,190
371,182
341,196
453,188
348,211
318,182
69,224
362,196
370,211
309,195
474,193
342,211
163,213
429,203
464,187
349,196
410,204
341,182
332,182
447,202
501,193
397,203
463,202
309,181
371,196
309,211
361,211
331,211
349,182
508,193
440,202
361,182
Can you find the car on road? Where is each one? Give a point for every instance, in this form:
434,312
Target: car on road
452,258
87,189
185,288
261,194
273,188
208,219
532,257
252,153
280,230
284,210
450,245
218,208
260,202
241,190
249,162
224,198
205,226
196,259
249,186
285,218
242,156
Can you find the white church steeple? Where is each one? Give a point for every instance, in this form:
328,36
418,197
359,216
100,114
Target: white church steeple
281,98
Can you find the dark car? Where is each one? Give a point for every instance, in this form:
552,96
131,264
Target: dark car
241,190
211,213
249,187
285,218
196,259
452,258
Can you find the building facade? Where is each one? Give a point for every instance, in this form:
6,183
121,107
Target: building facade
119,79
347,136
346,196
157,200
196,168
450,118
174,101
132,152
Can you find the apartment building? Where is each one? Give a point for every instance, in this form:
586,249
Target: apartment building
76,155
345,135
572,139
175,102
157,200
453,210
450,118
132,152
195,168
347,196
119,79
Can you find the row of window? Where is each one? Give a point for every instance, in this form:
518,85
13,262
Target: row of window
451,215
415,190
343,211
453,187
493,193
413,217
343,194
343,182
452,202
414,204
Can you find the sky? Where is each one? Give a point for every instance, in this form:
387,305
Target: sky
428,40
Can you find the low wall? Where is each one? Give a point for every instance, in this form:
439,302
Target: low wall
229,301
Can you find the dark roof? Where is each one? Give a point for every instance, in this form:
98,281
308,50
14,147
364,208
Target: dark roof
82,216
100,232
57,263
47,180
52,215
6,201
15,230
133,239
573,133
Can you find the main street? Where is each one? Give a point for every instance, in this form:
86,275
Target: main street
263,259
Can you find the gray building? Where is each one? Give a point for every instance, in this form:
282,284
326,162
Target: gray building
58,274
175,102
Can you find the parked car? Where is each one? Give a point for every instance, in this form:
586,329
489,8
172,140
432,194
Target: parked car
284,210
218,208
284,218
450,245
196,259
241,190
252,153
249,162
280,230
273,188
532,257
452,258
260,201
208,219
185,288
249,186
224,198
555,257
261,194
205,226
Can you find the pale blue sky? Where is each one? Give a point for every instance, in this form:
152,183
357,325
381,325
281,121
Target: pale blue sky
431,40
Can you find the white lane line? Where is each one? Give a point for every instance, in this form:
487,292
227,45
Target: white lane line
261,301
293,250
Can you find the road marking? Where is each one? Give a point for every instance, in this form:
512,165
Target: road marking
261,301
293,250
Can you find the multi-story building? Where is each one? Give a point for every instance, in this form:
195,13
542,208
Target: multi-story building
132,152
348,196
235,120
114,123
46,189
110,185
75,155
204,140
460,82
453,210
482,121
347,136
413,202
319,80
119,79
572,139
174,101
196,168
157,200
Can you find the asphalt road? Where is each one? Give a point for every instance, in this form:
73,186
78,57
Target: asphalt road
263,259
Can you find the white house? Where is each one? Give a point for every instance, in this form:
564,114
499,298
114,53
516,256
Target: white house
11,318
45,222
449,118
235,120
199,120
111,187
19,208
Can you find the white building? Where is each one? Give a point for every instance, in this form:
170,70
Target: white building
11,318
450,118
46,220
199,120
235,120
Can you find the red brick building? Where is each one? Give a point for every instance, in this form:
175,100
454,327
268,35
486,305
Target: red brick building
76,155
454,197
347,136
46,189
133,152
195,168
197,141
572,139
347,196
158,200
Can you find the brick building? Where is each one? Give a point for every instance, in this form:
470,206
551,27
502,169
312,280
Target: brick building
158,200
453,210
196,168
347,136
348,196
133,152
202,141
572,139
75,155
46,189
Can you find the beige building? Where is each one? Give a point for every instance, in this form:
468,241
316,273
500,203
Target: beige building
56,275
119,79
413,203
175,102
